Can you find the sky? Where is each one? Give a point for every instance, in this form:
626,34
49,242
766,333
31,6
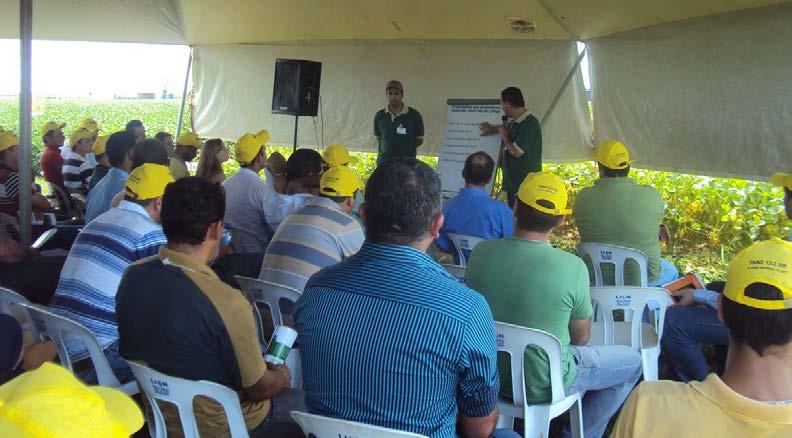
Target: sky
95,70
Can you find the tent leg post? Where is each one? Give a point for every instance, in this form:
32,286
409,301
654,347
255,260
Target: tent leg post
563,88
25,122
296,119
184,96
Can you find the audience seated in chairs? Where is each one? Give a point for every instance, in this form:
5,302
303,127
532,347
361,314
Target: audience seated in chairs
106,246
472,212
408,347
619,211
77,170
754,395
178,318
119,150
321,233
529,283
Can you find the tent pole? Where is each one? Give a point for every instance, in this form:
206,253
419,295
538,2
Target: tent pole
25,122
184,95
563,88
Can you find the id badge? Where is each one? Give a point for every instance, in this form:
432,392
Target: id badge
401,130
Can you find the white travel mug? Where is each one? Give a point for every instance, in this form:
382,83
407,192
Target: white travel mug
279,346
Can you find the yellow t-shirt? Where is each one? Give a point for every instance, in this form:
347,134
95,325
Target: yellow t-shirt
699,409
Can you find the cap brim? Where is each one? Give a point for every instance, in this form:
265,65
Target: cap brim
123,408
780,179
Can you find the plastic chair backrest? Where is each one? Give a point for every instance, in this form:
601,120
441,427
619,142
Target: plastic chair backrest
457,271
325,427
64,200
58,328
633,301
181,392
463,245
513,339
601,253
10,305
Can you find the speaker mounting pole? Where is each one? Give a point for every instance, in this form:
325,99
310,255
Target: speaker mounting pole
296,119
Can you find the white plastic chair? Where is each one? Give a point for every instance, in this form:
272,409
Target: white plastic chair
325,427
601,253
462,243
457,271
10,305
58,328
644,311
260,292
181,392
513,339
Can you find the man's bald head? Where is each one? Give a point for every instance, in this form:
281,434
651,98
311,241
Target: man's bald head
478,169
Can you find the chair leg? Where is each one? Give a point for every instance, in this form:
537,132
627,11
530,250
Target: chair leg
576,418
537,422
649,362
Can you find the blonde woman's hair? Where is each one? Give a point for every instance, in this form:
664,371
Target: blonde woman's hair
208,164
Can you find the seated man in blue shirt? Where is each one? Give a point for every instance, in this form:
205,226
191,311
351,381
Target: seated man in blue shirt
387,337
472,212
119,153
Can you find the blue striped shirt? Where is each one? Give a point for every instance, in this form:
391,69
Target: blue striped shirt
100,254
388,338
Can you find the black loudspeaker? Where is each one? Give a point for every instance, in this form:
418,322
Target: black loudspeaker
296,89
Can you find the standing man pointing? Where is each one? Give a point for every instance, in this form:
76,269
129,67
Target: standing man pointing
522,141
399,129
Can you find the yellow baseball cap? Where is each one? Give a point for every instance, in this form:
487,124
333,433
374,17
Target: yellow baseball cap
544,186
263,136
99,145
337,155
51,126
90,124
189,139
248,146
782,179
768,262
79,135
339,181
8,139
51,402
612,154
148,181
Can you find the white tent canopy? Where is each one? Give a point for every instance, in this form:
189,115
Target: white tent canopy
694,86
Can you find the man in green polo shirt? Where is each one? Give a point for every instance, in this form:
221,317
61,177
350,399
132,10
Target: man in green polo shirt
399,128
619,211
529,283
522,141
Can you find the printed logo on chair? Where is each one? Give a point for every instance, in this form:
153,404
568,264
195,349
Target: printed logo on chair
623,300
160,387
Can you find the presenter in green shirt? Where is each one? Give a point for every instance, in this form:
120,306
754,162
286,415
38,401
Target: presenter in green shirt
399,128
522,141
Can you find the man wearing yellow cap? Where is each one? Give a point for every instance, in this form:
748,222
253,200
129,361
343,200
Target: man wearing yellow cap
320,233
186,149
77,170
619,211
529,283
102,162
246,195
9,178
103,249
753,397
51,159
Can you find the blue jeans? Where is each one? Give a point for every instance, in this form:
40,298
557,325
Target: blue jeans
606,374
120,368
668,273
684,330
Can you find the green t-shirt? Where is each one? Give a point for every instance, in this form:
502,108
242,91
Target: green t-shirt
619,211
397,135
527,135
532,284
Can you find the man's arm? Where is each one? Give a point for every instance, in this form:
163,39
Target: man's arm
579,331
419,131
580,317
477,427
13,252
40,203
275,378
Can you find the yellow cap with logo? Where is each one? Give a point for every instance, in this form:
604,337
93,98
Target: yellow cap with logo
337,155
189,139
248,146
339,181
147,181
768,262
51,126
546,188
51,402
90,124
782,179
7,140
612,154
100,145
79,135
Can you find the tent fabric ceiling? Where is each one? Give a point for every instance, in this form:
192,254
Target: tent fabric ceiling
265,21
